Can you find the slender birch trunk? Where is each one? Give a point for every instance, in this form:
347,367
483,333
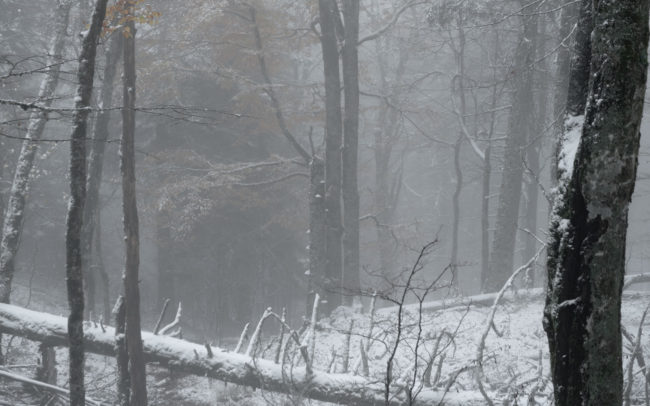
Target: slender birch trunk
15,211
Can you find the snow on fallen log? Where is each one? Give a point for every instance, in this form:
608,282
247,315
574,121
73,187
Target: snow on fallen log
224,365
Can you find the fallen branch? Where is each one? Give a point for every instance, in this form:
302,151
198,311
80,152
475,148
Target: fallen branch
636,278
42,385
490,322
167,329
487,299
162,316
225,365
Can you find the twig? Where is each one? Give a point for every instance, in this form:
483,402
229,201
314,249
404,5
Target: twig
208,348
256,334
630,365
42,385
281,338
174,323
162,316
490,321
365,371
242,337
346,348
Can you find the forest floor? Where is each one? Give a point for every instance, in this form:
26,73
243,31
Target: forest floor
515,357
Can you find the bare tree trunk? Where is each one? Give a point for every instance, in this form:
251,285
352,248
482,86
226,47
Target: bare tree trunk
101,270
501,262
458,80
46,371
455,200
333,144
3,151
74,271
487,166
15,211
350,62
131,226
121,354
533,151
96,165
596,177
166,264
317,229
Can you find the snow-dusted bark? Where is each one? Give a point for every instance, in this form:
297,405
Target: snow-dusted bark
74,271
225,365
15,211
596,175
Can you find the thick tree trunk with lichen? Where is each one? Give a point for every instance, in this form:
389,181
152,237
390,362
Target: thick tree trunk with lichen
74,270
596,175
16,205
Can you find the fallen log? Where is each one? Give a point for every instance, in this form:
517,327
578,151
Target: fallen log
487,299
224,365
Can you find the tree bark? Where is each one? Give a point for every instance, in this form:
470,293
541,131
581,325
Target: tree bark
317,230
350,63
15,211
121,354
487,171
586,258
333,144
74,271
101,270
502,256
458,171
533,151
46,371
95,168
562,62
131,226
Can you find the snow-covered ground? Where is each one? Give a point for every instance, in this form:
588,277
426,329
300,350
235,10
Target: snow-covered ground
515,363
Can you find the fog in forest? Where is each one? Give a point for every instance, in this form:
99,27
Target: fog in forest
309,177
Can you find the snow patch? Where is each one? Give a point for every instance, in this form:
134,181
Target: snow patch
569,145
